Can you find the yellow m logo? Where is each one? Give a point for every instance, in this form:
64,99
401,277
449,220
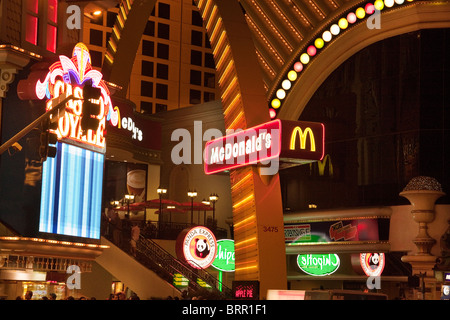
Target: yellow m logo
302,135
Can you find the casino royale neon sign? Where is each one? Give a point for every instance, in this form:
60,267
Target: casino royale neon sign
269,141
67,77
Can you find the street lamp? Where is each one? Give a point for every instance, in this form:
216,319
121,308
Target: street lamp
206,203
160,191
129,198
214,197
192,195
170,212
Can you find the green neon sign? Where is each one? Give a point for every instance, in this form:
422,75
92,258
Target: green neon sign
318,264
180,281
224,260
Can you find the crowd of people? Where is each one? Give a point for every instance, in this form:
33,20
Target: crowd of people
52,296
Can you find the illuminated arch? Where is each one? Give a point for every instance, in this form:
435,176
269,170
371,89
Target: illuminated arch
330,46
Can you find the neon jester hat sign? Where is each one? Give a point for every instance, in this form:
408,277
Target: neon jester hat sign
68,76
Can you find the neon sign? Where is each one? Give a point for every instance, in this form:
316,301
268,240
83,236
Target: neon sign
272,140
197,246
225,258
67,76
302,136
242,148
372,263
126,123
302,141
318,264
246,289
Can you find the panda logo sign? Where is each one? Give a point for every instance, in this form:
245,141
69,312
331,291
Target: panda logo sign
372,263
197,246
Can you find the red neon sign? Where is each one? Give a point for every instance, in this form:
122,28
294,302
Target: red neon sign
250,146
67,76
288,141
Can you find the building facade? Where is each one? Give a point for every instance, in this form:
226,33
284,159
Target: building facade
174,66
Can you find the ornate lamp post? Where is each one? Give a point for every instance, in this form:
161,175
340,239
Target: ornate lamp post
213,198
192,195
128,199
160,191
207,203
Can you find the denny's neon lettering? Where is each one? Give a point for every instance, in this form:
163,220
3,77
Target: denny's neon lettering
67,76
287,141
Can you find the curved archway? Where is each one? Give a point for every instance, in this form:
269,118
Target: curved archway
420,15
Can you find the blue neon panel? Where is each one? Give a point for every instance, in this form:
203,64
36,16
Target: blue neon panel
72,192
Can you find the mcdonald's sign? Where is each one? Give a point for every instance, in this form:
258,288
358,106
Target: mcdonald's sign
302,141
289,141
303,135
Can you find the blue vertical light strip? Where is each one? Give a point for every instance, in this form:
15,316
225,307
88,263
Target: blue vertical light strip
72,192
95,221
63,164
87,192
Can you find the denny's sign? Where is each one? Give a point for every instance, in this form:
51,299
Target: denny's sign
288,141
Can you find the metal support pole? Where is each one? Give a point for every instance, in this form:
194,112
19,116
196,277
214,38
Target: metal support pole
61,104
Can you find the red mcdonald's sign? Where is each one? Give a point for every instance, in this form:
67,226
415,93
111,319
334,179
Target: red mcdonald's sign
288,141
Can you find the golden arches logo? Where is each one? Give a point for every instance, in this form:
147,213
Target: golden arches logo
302,135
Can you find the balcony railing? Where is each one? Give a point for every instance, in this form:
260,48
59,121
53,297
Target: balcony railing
157,259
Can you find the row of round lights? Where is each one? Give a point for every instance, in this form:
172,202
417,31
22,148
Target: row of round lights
335,29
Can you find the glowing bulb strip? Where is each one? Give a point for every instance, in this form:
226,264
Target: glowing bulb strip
226,72
229,88
244,221
316,8
233,103
236,119
246,268
237,244
207,7
271,25
265,64
50,241
16,48
286,20
341,24
219,42
216,29
264,39
243,201
223,56
120,20
241,181
212,17
299,14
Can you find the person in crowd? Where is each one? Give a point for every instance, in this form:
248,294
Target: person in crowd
28,295
52,296
135,232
